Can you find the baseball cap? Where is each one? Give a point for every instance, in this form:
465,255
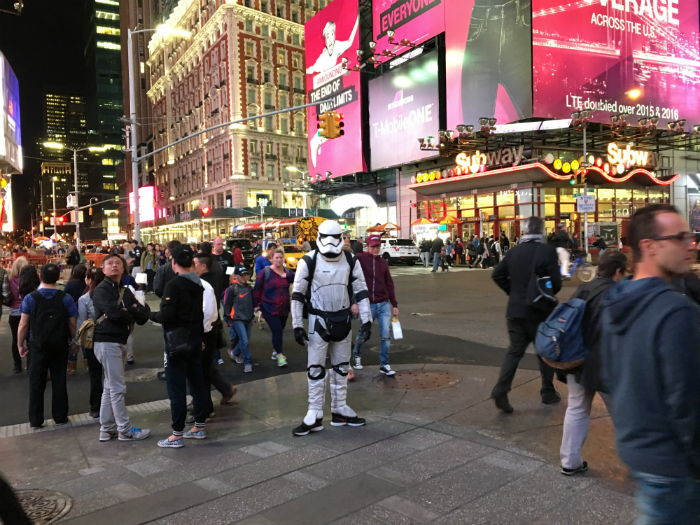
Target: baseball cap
183,255
240,270
374,240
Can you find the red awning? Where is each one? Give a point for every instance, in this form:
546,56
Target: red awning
287,222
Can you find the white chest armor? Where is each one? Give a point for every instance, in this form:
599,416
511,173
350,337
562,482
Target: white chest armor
329,286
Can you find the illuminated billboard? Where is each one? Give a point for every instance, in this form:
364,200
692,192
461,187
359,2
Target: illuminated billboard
147,211
10,127
331,35
6,218
413,20
403,106
592,54
489,62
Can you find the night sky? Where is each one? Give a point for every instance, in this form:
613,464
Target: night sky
45,49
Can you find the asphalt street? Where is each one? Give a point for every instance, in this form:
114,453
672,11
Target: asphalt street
447,317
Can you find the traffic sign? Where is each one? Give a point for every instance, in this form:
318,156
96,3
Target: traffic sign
585,204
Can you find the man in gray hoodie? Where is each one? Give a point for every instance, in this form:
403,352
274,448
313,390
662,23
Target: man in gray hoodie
650,346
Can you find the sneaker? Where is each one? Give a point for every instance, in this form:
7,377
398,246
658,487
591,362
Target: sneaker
220,362
94,414
17,370
341,421
386,370
106,436
358,363
129,361
248,368
274,356
281,360
199,434
304,429
161,375
227,398
238,359
550,398
166,443
135,434
190,407
572,471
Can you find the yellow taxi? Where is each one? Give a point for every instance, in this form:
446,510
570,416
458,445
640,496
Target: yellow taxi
292,254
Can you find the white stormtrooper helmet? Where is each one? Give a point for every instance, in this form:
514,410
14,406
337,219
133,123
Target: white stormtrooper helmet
330,238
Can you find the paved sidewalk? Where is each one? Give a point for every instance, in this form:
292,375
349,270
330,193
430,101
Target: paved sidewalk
443,456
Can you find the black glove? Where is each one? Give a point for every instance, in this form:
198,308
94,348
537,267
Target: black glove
365,332
301,336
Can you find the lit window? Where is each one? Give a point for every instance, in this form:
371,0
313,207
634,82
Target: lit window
107,162
143,67
248,48
280,58
295,61
106,16
109,45
108,2
102,30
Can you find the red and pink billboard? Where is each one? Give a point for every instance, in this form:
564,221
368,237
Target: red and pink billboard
488,61
590,54
332,35
414,20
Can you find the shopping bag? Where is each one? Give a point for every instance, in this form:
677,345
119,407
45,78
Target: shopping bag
141,278
396,328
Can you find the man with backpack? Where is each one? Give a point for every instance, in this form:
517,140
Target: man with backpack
330,275
530,268
584,381
50,316
651,367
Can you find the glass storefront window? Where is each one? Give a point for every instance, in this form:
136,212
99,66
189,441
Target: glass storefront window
451,205
623,196
550,195
566,195
606,195
527,210
484,200
505,197
469,213
506,212
465,202
605,209
549,210
525,195
567,208
622,212
657,196
639,197
487,212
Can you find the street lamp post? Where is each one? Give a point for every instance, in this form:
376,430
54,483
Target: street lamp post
56,145
165,31
55,218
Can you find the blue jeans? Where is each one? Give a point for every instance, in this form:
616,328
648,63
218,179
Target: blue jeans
667,501
436,261
276,324
242,332
382,312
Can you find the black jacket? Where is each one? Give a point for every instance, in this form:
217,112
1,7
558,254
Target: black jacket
164,274
215,282
514,273
651,365
436,246
356,247
688,285
182,305
561,239
116,326
73,258
588,374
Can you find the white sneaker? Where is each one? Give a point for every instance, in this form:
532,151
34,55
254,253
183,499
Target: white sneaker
386,370
358,363
274,355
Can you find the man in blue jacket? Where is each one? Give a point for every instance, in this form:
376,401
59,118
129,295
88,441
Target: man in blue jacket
651,366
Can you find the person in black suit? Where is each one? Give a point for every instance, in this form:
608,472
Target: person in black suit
513,276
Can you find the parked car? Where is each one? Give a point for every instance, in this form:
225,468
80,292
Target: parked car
400,250
292,254
246,250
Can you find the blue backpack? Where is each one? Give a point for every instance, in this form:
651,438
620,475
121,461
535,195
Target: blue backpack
559,341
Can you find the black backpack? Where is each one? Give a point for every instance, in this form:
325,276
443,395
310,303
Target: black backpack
49,322
311,265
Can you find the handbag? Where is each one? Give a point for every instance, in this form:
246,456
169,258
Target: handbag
540,293
86,331
396,328
177,340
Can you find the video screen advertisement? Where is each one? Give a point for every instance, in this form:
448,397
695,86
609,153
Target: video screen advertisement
331,35
10,128
414,20
488,61
587,53
403,106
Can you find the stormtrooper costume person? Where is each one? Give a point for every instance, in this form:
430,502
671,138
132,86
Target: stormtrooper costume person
329,273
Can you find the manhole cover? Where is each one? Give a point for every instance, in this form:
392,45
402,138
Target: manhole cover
393,348
44,506
419,380
141,375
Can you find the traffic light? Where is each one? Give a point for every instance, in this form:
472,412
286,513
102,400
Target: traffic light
205,210
336,125
61,220
324,126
